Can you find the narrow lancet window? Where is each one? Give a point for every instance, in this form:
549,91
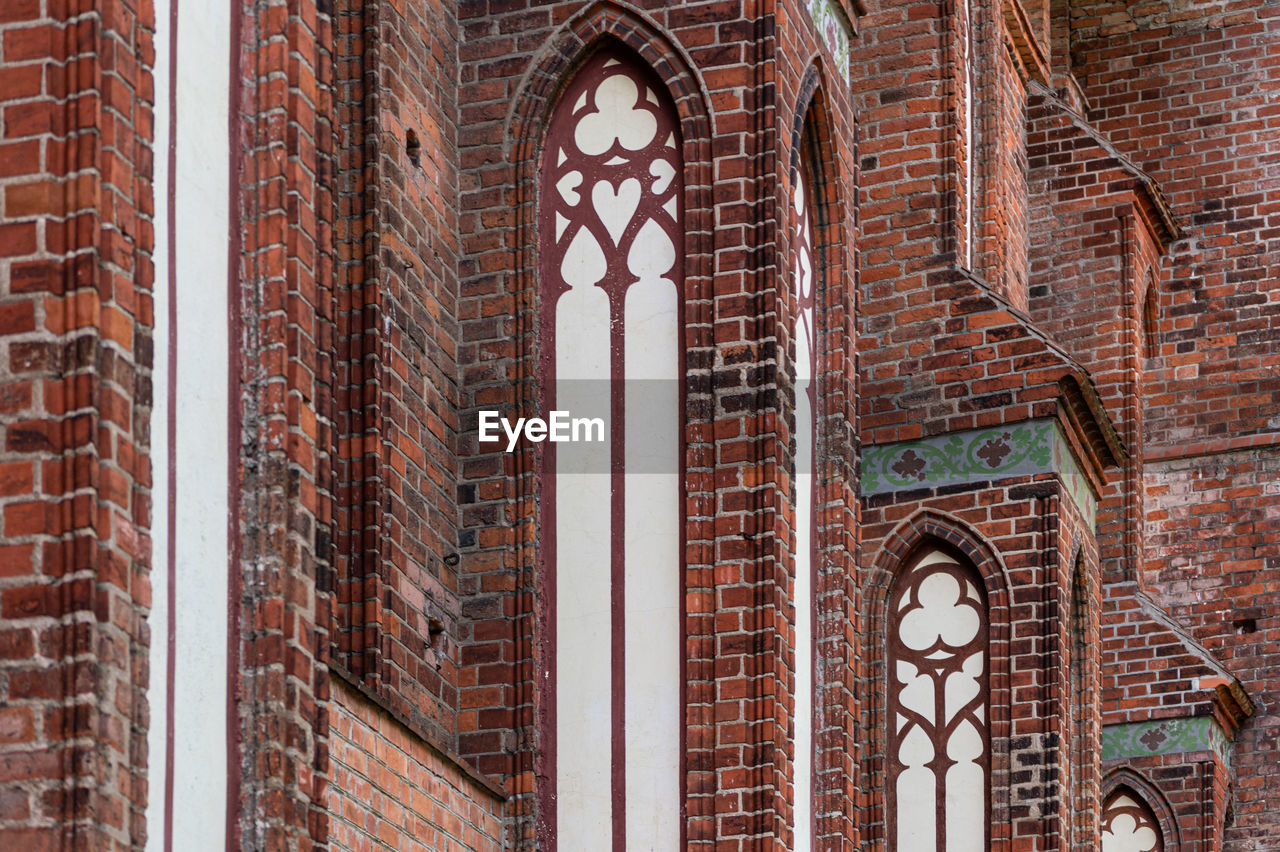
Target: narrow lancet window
611,258
939,763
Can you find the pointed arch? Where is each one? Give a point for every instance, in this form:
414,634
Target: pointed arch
602,26
815,339
807,211
933,525
610,330
806,280
593,28
1081,759
812,136
1126,780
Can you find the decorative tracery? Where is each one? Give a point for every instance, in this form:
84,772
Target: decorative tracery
939,751
612,166
1128,825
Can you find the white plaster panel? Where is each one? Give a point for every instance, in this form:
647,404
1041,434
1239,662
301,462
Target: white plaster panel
940,616
1129,831
916,693
803,594
963,686
916,816
616,119
161,519
653,565
966,794
201,222
616,205
804,625
583,559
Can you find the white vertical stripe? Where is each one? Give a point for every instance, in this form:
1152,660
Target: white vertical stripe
161,520
584,639
968,122
653,564
804,624
966,796
804,282
202,218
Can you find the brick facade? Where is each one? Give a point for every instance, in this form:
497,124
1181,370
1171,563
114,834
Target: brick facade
1186,105
391,788
1046,343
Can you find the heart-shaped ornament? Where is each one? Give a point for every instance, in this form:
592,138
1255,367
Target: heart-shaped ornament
615,207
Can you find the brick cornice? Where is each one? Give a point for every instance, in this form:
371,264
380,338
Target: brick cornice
1029,50
1151,199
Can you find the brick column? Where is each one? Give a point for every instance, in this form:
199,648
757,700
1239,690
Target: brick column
75,361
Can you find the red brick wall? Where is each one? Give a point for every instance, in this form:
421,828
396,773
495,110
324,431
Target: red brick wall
1097,237
902,81
397,501
1183,99
391,790
1185,90
1002,211
941,349
75,357
387,250
1211,533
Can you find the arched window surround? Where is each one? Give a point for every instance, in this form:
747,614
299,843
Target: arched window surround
815,160
611,307
1144,789
597,26
932,529
1082,803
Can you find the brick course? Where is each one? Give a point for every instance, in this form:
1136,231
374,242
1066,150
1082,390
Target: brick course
391,790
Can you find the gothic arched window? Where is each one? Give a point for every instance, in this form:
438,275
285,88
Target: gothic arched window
939,754
1150,317
611,257
1128,825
